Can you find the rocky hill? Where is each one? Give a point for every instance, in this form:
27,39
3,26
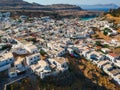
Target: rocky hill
115,12
34,9
13,3
22,5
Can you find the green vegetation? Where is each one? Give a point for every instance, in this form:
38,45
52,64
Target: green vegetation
115,12
19,20
98,43
105,46
105,31
42,52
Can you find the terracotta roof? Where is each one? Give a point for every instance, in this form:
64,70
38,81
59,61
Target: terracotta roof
113,54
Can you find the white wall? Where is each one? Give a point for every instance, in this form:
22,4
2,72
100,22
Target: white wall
5,67
30,60
7,61
18,66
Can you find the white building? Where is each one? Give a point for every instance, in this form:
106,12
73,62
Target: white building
55,49
31,48
18,65
20,51
117,62
41,68
58,64
95,56
102,63
105,50
7,14
6,60
12,72
85,52
31,59
112,56
107,67
117,78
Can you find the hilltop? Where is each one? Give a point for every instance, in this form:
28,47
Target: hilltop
114,15
18,7
23,5
115,12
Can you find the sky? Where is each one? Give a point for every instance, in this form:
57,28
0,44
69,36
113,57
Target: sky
86,2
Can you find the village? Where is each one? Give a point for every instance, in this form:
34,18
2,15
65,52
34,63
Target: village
25,41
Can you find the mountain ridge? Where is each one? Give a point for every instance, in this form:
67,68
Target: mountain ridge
100,7
21,7
21,4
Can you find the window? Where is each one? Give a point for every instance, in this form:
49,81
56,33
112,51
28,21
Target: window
37,56
7,61
54,63
11,59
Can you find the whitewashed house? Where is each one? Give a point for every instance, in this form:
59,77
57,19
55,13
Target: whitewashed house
61,51
31,48
112,56
18,65
105,50
102,63
6,60
85,52
41,68
20,51
113,72
58,63
31,59
12,72
117,62
95,56
6,14
107,67
117,78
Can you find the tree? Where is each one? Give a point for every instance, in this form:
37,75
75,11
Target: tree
105,33
105,46
42,52
106,30
98,43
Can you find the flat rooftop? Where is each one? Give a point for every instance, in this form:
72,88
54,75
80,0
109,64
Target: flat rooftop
6,56
115,71
19,60
60,60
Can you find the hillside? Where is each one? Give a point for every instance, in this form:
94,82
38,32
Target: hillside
13,3
113,15
64,7
115,12
20,7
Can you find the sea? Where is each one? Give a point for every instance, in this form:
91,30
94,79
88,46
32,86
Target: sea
87,18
